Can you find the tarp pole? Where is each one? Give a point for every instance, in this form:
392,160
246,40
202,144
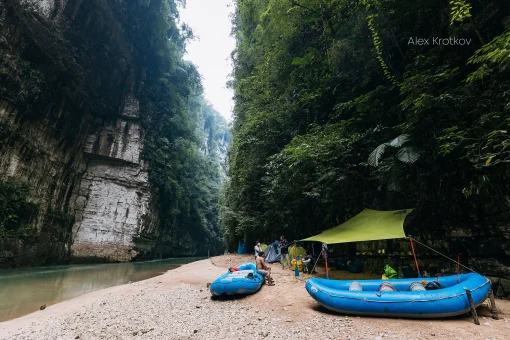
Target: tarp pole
414,254
296,268
458,267
325,248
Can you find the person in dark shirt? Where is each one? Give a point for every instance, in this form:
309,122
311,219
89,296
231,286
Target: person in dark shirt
284,251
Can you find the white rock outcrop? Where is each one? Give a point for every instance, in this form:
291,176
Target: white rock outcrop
114,193
110,206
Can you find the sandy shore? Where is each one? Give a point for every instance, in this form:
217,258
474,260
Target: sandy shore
177,305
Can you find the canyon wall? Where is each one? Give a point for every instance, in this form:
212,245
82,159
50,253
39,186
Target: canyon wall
217,138
78,149
92,93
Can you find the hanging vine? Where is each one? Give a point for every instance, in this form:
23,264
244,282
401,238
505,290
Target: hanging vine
378,48
378,44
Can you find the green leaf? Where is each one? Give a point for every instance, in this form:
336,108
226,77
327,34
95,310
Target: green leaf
408,155
400,140
375,156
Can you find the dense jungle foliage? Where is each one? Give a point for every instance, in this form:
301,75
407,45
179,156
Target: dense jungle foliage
15,210
339,107
185,177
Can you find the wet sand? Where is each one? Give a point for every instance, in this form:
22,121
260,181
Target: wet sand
177,305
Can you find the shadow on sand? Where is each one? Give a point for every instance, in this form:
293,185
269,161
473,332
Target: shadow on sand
482,311
229,297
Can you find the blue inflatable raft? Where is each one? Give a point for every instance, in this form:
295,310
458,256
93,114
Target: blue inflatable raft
238,283
449,301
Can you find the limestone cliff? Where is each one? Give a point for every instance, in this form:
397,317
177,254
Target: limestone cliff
71,131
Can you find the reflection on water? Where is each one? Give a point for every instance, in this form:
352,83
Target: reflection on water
23,291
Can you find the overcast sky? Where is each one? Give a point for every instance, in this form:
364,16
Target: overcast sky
210,51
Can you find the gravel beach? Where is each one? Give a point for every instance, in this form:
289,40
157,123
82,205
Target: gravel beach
178,305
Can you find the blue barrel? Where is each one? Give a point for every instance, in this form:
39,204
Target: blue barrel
241,248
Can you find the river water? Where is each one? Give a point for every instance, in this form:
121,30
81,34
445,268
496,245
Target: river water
23,291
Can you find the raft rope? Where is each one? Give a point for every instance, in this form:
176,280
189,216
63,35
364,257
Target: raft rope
318,258
457,262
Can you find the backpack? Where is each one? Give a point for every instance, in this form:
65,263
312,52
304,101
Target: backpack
434,285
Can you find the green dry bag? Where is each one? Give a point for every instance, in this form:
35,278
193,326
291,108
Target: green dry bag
390,272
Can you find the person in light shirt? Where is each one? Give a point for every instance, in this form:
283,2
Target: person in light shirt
257,249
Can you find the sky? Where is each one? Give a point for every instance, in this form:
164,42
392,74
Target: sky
210,51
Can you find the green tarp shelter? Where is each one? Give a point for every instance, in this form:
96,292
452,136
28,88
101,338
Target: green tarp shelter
369,225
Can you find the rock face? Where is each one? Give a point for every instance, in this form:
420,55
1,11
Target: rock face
217,138
43,7
74,102
31,153
223,146
83,162
111,203
114,193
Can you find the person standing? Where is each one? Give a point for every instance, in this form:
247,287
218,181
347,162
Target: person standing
257,249
284,251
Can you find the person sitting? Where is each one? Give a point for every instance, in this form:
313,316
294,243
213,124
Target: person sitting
307,263
263,269
257,249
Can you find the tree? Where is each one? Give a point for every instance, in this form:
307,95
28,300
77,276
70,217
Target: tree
319,84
